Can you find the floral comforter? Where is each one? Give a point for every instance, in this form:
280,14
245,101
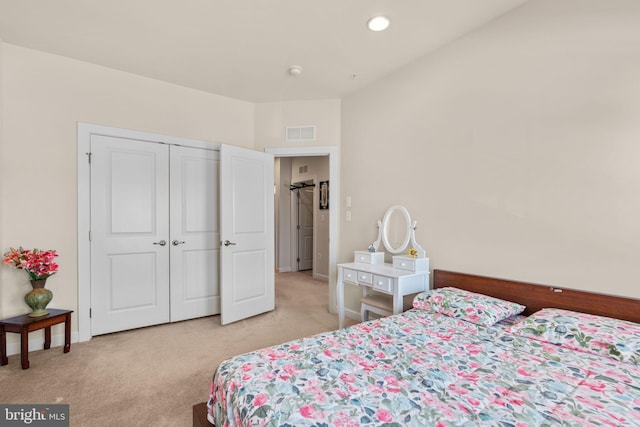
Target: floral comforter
420,368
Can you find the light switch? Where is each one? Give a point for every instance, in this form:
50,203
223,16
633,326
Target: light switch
348,201
348,216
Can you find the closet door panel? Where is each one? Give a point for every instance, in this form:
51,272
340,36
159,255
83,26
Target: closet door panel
195,234
130,218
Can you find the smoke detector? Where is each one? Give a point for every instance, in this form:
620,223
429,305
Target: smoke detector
295,70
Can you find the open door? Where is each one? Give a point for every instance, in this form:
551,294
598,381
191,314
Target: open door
247,262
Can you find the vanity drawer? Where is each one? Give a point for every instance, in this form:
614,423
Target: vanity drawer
367,257
350,275
365,278
411,264
382,284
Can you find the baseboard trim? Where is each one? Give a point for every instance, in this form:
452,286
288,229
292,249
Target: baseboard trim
352,314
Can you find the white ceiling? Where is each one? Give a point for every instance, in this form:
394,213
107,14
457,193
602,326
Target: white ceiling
243,48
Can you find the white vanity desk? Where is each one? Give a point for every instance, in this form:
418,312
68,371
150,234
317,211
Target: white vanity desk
405,276
381,278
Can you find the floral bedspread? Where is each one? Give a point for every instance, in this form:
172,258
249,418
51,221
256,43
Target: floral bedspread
421,368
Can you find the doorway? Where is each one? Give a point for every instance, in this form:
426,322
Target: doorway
330,214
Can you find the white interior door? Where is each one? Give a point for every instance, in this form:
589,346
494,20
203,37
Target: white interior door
305,228
129,234
247,233
195,233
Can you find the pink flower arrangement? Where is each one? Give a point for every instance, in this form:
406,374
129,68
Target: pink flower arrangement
38,264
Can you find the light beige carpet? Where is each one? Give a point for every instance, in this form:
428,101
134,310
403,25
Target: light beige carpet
154,375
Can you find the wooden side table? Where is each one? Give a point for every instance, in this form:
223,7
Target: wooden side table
24,324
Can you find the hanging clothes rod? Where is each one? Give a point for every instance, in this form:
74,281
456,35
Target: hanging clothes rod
300,185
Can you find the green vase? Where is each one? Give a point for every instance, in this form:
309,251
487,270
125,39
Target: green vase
38,298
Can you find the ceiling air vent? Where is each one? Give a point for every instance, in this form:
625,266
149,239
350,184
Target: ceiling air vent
301,133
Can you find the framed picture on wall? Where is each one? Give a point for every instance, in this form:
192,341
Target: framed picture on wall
324,194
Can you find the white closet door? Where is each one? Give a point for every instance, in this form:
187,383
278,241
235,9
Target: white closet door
195,233
247,231
129,235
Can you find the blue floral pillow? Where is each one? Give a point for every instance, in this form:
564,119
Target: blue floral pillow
465,305
613,338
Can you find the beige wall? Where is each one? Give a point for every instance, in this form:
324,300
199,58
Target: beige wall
515,148
45,96
272,118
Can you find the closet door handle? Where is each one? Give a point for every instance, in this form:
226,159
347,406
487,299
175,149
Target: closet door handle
176,243
228,243
161,243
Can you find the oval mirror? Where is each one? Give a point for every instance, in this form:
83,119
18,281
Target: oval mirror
396,229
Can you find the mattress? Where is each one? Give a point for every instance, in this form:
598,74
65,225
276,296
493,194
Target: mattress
425,369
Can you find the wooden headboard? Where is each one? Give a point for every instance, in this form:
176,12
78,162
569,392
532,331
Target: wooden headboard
535,297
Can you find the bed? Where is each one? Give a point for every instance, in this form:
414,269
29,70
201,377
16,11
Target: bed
466,354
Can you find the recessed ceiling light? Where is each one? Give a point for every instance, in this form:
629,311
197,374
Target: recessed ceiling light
378,23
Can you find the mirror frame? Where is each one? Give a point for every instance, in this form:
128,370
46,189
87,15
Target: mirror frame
385,229
410,236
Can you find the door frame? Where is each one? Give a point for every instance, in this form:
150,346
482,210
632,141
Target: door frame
85,131
334,207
